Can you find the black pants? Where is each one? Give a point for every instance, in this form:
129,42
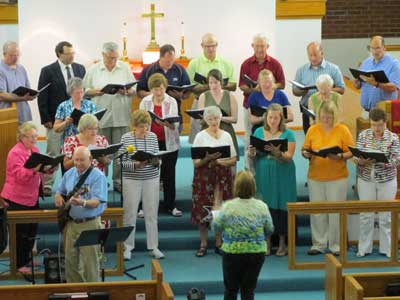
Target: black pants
241,272
25,234
306,123
168,176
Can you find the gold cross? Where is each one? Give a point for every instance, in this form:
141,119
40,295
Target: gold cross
153,15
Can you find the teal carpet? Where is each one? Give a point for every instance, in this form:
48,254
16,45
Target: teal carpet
178,239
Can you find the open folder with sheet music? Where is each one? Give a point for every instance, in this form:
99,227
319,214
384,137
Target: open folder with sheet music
97,152
38,158
23,90
324,152
170,119
203,80
259,144
379,75
112,88
378,156
146,156
201,152
77,114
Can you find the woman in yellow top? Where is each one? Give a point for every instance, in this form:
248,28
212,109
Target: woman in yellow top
325,93
327,177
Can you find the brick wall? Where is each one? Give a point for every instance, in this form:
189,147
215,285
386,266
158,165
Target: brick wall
361,19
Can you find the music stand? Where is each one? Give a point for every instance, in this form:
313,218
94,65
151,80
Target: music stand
103,237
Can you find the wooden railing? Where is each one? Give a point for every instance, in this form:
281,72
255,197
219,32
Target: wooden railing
343,208
50,216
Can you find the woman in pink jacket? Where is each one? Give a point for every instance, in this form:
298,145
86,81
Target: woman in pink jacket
22,188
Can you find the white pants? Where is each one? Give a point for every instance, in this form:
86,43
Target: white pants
325,229
368,190
248,161
147,191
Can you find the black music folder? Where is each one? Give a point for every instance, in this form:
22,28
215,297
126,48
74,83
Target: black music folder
378,156
379,75
257,111
145,156
203,80
181,88
302,86
111,149
250,82
323,152
200,152
260,143
308,112
22,90
195,113
37,158
170,119
77,114
112,89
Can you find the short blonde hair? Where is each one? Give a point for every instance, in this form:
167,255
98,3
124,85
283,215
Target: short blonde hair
324,80
264,74
24,128
156,80
139,117
87,121
275,107
329,107
244,186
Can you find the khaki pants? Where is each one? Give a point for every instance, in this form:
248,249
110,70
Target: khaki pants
325,227
81,264
54,145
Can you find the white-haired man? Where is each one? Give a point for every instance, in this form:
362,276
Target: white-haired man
115,122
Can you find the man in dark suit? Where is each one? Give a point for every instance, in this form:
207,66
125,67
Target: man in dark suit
57,74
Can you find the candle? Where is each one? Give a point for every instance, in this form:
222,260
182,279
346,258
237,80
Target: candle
183,28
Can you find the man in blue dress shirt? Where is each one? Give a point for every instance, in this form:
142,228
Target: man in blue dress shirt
82,265
372,91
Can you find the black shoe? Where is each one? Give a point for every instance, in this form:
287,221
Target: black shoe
314,252
218,251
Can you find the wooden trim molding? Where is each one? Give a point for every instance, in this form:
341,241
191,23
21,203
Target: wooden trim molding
392,47
8,14
300,9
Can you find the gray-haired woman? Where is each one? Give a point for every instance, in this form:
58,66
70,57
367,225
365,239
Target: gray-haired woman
212,180
63,121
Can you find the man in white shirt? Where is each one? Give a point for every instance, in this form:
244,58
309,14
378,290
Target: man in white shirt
115,121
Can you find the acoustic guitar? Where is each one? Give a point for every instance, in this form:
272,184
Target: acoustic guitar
63,211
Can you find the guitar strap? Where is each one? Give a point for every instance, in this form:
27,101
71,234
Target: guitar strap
80,182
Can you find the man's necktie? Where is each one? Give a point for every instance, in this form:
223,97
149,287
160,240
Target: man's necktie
68,73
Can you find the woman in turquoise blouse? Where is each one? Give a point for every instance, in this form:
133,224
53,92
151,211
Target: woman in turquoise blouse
275,172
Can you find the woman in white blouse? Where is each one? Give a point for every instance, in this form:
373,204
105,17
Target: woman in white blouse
212,180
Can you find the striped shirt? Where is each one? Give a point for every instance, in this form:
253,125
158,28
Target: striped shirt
307,75
388,144
148,144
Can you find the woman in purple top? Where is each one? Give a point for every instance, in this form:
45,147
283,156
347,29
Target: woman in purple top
268,94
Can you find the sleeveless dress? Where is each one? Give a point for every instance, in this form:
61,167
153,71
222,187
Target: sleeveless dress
225,105
276,182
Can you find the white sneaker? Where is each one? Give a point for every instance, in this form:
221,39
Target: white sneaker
157,254
176,212
127,254
360,254
140,214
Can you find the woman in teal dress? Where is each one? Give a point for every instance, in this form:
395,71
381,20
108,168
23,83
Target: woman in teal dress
275,173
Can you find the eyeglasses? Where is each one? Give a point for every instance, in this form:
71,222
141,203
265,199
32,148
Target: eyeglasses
31,137
92,128
210,46
369,48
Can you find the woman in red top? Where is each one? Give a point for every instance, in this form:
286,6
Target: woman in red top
161,104
88,127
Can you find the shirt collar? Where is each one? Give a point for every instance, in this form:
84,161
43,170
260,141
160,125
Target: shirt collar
204,58
322,65
63,66
103,67
266,59
8,67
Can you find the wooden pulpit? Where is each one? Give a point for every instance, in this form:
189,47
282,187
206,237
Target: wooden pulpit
8,133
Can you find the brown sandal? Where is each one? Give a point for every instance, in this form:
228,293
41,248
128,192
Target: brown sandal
201,252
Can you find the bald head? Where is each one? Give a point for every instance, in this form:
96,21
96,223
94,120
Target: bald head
82,158
209,43
315,53
377,47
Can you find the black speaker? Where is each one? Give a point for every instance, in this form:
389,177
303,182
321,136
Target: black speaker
54,269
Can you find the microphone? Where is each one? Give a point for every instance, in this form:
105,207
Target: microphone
129,149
